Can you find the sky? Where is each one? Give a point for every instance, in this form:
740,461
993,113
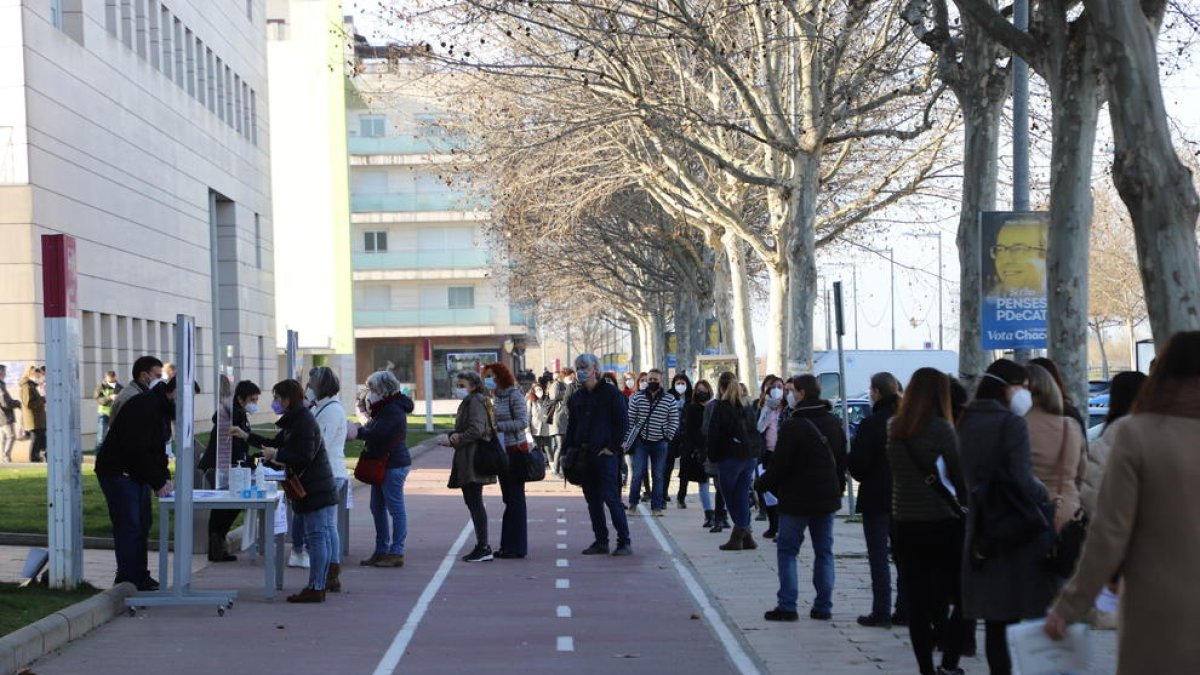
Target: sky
863,263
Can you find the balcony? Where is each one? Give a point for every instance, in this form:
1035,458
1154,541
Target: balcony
383,203
410,318
401,145
453,259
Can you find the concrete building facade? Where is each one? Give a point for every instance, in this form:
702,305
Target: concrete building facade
139,127
422,267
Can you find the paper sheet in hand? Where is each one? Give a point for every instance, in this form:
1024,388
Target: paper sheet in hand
1034,653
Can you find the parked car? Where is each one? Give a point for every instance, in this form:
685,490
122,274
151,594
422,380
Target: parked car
1097,387
1095,421
1100,401
859,409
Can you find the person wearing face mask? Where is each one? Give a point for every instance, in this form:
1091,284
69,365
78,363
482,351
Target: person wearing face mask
1002,584
653,421
631,383
541,422
321,396
385,434
474,425
512,421
868,464
557,393
147,371
33,408
245,403
770,407
130,465
694,453
681,392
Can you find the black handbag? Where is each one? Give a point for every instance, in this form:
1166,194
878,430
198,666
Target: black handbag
575,465
933,479
535,465
490,457
1068,544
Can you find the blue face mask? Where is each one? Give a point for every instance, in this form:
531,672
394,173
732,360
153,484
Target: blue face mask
583,376
277,407
490,383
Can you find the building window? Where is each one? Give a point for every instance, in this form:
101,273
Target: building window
372,126
461,297
377,297
375,241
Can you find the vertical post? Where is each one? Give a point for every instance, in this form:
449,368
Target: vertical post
570,362
828,322
185,460
854,275
892,291
64,451
215,289
1020,86
841,331
941,315
293,347
428,355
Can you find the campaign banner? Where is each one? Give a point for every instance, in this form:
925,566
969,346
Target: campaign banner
1013,278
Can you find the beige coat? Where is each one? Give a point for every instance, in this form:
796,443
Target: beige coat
473,425
1049,437
1097,458
1147,527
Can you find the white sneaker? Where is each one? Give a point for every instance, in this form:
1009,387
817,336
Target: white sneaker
298,560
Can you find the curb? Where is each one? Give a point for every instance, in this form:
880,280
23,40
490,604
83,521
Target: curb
25,645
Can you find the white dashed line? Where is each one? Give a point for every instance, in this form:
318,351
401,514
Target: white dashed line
561,521
566,643
562,547
560,510
564,612
561,533
562,583
562,562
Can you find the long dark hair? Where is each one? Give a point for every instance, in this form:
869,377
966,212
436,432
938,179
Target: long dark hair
1122,392
1176,369
927,396
1004,374
682,377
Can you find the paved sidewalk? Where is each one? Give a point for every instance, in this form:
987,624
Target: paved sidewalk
745,583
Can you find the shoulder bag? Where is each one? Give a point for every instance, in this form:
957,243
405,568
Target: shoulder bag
934,480
369,470
490,457
1068,544
1005,518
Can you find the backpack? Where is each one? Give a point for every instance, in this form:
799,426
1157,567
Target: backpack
745,433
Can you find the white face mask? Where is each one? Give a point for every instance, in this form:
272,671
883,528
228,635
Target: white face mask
629,384
538,393
791,399
776,393
251,408
310,395
642,386
681,388
460,392
1021,402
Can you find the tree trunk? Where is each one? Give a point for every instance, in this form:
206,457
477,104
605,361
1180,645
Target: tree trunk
1131,330
656,327
802,268
722,302
635,344
743,338
687,310
981,133
777,316
1153,183
1075,97
1099,330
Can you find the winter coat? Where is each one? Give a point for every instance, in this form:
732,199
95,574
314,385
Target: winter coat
132,389
819,413
7,406
692,449
33,405
541,421
733,433
135,444
598,419
300,449
803,472
1013,584
1049,437
104,396
1097,459
913,500
331,417
868,460
473,425
512,416
1145,527
386,435
239,449
560,393
652,419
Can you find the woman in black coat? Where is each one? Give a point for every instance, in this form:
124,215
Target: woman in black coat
245,403
299,448
1003,582
692,451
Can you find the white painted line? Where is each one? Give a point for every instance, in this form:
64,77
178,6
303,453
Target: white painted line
566,643
564,612
560,510
561,521
562,547
391,658
562,562
733,648
562,583
561,533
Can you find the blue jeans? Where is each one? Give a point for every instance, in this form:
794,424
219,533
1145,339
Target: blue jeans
299,529
514,528
791,535
388,499
735,476
101,429
877,529
655,453
316,537
706,500
129,510
601,488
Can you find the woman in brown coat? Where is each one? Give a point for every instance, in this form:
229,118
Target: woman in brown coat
473,425
1056,446
33,411
1147,523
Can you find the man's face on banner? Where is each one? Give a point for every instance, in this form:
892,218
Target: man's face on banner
1020,256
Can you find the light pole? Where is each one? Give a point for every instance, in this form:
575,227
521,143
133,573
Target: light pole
892,291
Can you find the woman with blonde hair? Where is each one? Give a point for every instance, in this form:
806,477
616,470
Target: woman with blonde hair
1056,445
734,444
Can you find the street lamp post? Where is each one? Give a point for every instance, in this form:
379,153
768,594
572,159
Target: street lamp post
892,291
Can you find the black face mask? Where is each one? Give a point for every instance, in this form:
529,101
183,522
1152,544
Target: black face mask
652,387
703,396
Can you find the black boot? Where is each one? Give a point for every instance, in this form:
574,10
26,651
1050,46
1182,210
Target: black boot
708,519
217,550
721,522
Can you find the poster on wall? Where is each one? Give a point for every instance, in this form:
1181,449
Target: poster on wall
457,362
712,337
1013,278
672,342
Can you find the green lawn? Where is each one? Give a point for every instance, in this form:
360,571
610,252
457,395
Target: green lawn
20,607
23,502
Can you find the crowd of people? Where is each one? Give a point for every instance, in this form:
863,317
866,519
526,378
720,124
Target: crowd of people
981,501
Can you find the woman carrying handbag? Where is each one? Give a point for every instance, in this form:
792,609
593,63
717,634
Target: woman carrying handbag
474,433
512,421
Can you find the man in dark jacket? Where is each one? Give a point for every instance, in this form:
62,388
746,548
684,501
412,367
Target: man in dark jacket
130,464
869,466
807,474
597,424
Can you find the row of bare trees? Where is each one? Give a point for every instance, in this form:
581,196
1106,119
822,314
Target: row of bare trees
668,155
